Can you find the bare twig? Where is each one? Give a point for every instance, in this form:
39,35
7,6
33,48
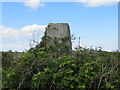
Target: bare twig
105,75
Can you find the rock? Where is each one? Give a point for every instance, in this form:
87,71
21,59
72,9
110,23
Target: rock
59,32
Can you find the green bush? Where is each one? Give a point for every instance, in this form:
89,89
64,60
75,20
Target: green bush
48,69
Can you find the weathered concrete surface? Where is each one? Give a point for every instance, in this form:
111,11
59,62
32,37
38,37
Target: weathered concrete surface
59,31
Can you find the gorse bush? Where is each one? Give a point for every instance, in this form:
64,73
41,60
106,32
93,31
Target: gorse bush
57,68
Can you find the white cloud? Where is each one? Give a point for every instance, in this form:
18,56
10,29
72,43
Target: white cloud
17,46
33,4
19,39
97,3
26,31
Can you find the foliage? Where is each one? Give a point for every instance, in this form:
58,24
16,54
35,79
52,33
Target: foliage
56,68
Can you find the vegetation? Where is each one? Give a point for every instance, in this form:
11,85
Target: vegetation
56,67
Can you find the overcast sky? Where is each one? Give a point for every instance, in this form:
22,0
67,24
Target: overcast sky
95,23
